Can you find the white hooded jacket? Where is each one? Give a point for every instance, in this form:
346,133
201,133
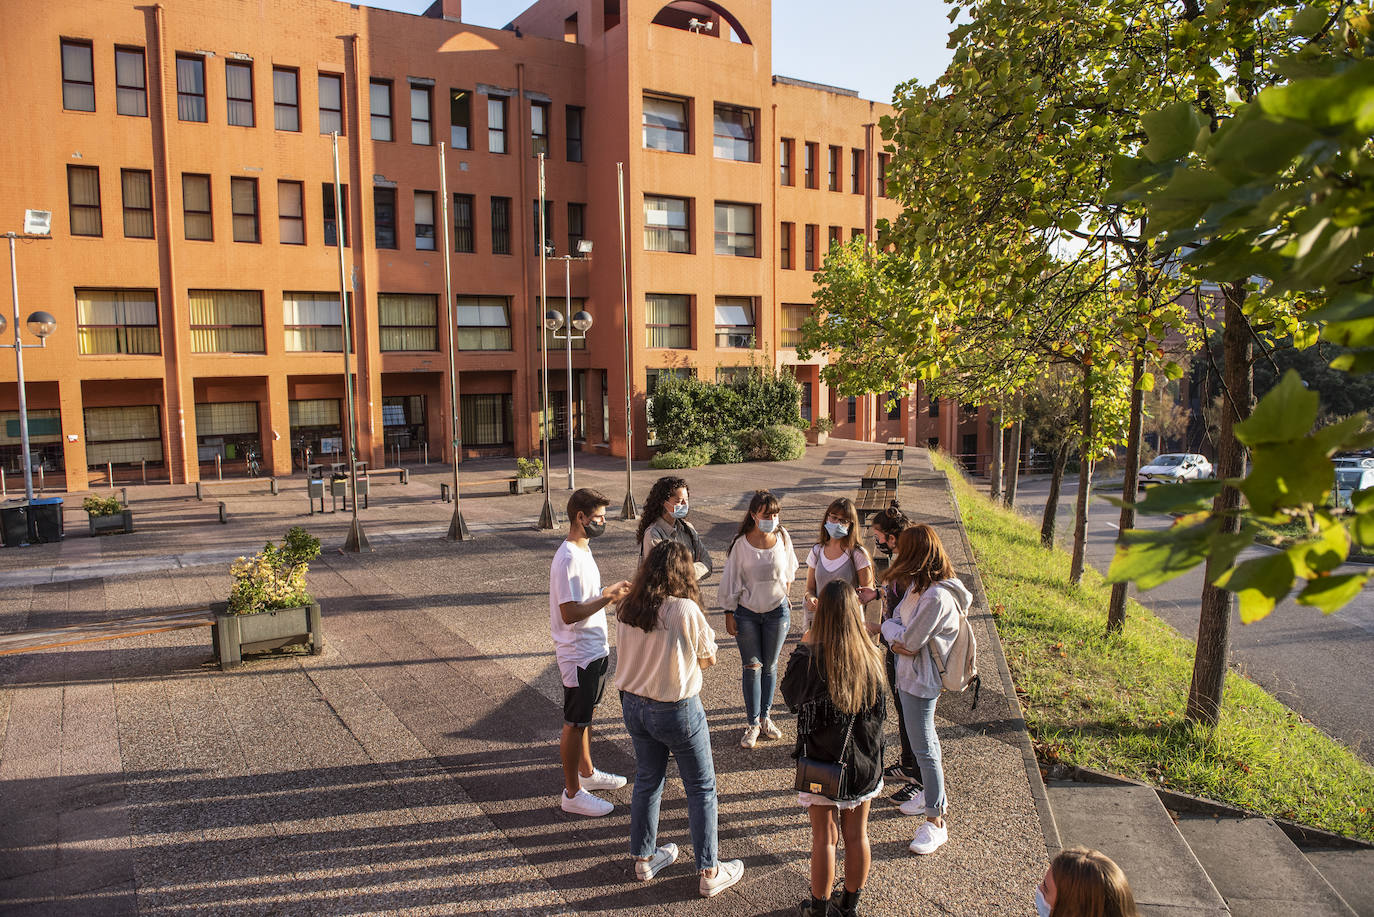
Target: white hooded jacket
920,619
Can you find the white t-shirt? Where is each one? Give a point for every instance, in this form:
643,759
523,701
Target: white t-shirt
574,577
817,556
664,664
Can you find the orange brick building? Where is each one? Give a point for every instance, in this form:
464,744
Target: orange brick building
184,151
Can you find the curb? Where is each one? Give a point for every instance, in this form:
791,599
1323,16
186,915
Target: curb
1053,844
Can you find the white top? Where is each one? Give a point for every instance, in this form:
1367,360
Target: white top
574,577
663,664
817,556
758,580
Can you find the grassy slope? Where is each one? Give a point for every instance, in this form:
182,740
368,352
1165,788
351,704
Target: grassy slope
1116,703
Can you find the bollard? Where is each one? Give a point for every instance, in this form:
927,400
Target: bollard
219,468
40,478
405,475
272,486
200,495
223,513
398,455
124,496
109,474
3,491
443,493
145,471
424,448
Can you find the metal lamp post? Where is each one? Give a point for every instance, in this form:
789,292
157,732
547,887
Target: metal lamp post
579,323
41,324
547,517
356,542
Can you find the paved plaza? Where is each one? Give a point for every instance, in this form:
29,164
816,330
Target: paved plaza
412,768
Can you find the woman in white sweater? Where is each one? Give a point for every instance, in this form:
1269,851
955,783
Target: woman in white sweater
754,584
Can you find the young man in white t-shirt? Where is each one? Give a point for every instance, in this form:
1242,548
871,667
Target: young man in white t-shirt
577,619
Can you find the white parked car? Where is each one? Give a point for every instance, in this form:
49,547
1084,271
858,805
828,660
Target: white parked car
1352,474
1172,467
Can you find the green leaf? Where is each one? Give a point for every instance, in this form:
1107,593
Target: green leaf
1330,593
1355,362
1291,474
1259,584
1147,382
1173,131
1323,554
1149,557
1310,19
1173,370
1283,415
1186,497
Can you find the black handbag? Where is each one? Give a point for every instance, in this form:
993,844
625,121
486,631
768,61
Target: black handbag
823,778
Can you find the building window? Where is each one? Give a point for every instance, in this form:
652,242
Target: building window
116,321
123,435
78,76
794,316
806,400
934,407
786,240
286,99
243,200
573,133
668,317
856,171
313,322
421,115
500,226
238,90
464,230
883,160
834,237
665,124
577,226
331,224
811,230
786,150
487,420
894,405
226,321
197,213
735,321
384,217
379,104
190,88
460,119
331,104
496,125
667,224
833,175
408,321
403,422
811,152
856,233
226,430
851,410
548,223
735,230
483,322
137,188
424,221
131,86
734,133
291,212
539,128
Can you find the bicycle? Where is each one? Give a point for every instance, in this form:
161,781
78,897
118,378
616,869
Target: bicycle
254,467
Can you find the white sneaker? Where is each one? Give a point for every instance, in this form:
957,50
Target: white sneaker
663,857
727,873
750,737
916,805
929,838
600,780
585,803
769,730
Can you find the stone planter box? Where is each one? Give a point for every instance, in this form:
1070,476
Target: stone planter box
526,485
115,523
235,635
817,437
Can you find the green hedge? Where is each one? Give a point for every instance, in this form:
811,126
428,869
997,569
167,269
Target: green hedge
751,417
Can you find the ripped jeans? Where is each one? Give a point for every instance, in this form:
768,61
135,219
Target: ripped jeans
760,638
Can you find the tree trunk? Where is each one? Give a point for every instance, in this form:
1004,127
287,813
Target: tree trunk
1116,609
1085,481
1214,620
1047,521
995,469
1013,472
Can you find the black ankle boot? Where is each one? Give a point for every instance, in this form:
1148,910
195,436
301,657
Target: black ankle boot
816,907
845,903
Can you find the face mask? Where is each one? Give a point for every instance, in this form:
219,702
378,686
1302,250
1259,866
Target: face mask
1041,907
836,529
680,511
885,548
593,529
768,524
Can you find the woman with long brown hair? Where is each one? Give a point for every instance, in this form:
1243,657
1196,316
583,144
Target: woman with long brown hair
1084,883
663,642
834,683
837,555
664,518
925,623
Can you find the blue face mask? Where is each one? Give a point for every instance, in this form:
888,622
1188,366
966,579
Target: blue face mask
1042,908
680,511
836,529
768,524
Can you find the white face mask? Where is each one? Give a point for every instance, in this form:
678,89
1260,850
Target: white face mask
768,524
1042,907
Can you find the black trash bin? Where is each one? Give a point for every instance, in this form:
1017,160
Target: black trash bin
14,523
45,520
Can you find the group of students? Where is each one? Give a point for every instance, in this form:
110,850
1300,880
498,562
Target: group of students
834,680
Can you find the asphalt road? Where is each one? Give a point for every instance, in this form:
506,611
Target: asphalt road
1320,665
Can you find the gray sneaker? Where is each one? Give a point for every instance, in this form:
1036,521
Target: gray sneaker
727,873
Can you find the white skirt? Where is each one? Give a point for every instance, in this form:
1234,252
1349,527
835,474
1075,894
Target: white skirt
806,800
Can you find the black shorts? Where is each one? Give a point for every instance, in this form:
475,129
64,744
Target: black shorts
580,702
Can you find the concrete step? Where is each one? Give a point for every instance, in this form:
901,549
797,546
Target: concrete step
1350,873
1258,870
1130,825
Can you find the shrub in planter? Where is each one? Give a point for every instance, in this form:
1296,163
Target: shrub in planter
529,468
102,506
269,604
106,516
823,424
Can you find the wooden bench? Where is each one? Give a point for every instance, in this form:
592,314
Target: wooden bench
871,501
882,474
402,474
893,452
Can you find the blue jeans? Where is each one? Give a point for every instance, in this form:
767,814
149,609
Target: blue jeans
760,638
657,728
918,715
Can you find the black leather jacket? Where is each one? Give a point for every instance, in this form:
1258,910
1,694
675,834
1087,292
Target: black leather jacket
821,727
